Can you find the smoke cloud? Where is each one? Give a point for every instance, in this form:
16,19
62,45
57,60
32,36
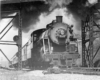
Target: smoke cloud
81,7
93,1
77,8
58,3
31,12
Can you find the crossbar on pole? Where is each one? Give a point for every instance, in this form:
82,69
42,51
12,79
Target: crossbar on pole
5,32
6,26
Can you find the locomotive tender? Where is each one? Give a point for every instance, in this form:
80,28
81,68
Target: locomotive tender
54,45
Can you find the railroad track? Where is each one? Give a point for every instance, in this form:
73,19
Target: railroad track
85,71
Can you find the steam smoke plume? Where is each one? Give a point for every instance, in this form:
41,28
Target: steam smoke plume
92,1
31,12
77,7
58,3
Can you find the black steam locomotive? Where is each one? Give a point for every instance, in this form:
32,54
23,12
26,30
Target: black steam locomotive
54,45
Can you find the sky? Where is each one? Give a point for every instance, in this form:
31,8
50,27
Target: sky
9,50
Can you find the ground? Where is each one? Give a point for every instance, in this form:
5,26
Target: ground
38,75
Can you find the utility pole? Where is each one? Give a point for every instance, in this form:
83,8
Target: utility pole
20,42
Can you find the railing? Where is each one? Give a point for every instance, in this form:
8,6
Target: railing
26,52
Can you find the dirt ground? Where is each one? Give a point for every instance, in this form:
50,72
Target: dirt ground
38,75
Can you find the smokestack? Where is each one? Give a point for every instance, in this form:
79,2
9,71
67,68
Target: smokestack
59,18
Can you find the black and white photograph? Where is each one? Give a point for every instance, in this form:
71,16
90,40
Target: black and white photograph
49,39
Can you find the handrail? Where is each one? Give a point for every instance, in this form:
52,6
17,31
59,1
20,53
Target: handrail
22,48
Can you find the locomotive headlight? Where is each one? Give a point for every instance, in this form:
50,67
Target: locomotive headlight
61,33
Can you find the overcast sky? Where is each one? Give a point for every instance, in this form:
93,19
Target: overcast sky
9,50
